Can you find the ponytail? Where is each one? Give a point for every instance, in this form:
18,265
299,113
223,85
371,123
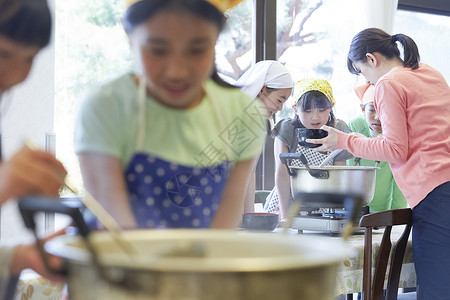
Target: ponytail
376,40
410,50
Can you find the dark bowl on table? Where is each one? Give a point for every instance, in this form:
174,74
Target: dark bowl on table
259,221
304,133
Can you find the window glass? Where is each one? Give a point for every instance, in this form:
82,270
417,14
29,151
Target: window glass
312,40
233,50
91,47
430,32
315,42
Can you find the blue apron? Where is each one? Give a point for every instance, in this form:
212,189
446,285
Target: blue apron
163,194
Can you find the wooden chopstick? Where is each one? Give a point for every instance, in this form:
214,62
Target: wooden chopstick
97,209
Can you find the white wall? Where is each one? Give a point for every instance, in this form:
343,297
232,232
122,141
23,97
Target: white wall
27,113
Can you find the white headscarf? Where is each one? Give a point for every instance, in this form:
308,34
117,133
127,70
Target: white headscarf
267,72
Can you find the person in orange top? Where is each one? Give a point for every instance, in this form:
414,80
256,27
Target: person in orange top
387,194
413,102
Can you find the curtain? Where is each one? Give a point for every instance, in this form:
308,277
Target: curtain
380,14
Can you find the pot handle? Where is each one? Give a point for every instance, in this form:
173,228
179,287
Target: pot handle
284,160
316,173
29,206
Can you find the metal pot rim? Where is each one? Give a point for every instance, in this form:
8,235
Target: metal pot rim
309,251
337,168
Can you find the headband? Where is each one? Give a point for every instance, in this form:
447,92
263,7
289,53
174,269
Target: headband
270,73
365,92
222,5
313,84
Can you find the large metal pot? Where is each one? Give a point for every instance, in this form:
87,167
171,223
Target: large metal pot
342,181
194,264
234,265
330,186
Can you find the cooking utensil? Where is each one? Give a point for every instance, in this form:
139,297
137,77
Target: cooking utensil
237,265
259,221
320,174
233,265
352,203
330,157
96,208
293,211
304,133
343,181
343,186
103,216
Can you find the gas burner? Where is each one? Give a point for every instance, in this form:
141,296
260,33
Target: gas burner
328,220
310,214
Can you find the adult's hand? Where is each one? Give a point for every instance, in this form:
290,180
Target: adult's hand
31,172
28,257
329,143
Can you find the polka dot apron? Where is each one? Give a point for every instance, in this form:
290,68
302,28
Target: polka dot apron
163,194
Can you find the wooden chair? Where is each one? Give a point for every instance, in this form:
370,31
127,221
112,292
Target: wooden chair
374,290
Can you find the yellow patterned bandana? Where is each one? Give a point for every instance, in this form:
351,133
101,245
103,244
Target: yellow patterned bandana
222,5
313,84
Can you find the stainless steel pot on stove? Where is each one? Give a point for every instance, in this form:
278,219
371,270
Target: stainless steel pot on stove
193,264
335,183
342,180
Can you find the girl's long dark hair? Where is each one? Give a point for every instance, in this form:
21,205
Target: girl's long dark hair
311,100
144,10
27,22
376,40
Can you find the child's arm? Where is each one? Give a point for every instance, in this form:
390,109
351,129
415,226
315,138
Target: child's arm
229,214
282,180
249,204
103,178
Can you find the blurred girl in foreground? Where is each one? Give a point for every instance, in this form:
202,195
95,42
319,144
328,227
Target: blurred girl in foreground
172,146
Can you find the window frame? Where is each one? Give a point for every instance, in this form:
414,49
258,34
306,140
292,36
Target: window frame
437,7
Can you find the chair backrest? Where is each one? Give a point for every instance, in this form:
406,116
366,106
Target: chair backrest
374,290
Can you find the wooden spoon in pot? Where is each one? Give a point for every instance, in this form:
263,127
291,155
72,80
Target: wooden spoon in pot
99,212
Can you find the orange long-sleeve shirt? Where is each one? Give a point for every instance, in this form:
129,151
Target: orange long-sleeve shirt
414,109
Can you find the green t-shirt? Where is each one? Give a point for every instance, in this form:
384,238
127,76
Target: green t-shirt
387,194
226,125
